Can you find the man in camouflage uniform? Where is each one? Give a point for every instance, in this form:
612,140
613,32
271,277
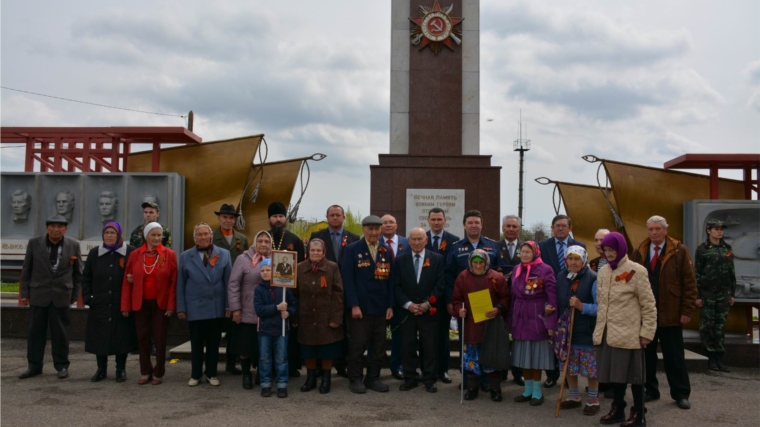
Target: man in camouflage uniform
716,284
151,212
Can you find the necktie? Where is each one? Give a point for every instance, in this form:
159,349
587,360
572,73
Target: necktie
336,245
417,266
511,249
655,258
435,242
561,255
390,245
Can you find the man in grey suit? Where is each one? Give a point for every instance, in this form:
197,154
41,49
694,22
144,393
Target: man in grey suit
50,282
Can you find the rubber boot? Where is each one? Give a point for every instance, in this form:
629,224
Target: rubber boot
473,386
495,389
324,386
311,380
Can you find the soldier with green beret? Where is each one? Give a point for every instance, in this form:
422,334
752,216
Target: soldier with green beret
716,283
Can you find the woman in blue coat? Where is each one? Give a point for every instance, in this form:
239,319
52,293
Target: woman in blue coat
203,273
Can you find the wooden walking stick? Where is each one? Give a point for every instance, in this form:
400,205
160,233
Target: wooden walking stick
567,361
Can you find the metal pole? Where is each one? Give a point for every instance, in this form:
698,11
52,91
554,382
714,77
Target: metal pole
520,191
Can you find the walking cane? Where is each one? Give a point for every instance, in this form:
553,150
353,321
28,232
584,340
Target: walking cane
461,356
567,361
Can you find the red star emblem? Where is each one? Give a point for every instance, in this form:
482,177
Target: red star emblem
436,28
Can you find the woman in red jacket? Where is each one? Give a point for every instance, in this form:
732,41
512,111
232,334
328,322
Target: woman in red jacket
150,290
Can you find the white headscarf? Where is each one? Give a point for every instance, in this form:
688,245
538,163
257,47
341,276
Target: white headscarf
576,250
151,226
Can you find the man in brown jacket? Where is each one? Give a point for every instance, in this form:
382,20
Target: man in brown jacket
671,274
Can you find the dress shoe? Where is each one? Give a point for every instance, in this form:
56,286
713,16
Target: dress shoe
432,388
537,402
591,409
520,398
29,373
232,369
650,398
248,380
471,394
145,380
311,380
636,419
444,378
519,381
376,385
399,375
408,385
266,391
341,372
357,387
324,385
63,374
100,375
282,393
550,382
194,382
570,404
615,416
121,375
683,403
157,381
214,381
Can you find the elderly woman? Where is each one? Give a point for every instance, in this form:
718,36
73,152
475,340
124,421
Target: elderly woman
478,277
149,290
320,334
202,299
576,290
108,333
534,320
246,274
626,322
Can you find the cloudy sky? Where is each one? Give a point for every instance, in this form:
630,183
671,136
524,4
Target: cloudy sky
637,81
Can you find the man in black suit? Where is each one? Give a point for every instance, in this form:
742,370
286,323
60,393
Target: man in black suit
440,241
553,252
50,282
419,284
336,238
509,252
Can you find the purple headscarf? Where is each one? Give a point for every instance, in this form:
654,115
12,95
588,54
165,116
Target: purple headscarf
616,242
119,241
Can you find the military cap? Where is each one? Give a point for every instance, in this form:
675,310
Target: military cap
715,223
372,220
153,205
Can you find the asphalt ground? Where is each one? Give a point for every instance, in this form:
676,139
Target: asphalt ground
718,399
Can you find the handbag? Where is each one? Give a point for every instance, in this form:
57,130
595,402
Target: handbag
495,352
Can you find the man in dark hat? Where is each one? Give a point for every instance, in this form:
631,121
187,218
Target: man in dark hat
50,282
284,240
151,212
368,287
226,237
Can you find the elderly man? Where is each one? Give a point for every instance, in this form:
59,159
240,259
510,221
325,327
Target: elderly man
64,204
440,241
509,253
398,245
671,274
419,284
553,252
597,263
50,282
21,203
367,275
227,237
151,212
107,204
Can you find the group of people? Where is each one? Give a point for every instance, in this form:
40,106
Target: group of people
601,319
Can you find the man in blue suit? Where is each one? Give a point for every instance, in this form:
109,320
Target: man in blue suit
440,241
368,287
398,245
553,252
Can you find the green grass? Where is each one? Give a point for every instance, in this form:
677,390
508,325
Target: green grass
9,287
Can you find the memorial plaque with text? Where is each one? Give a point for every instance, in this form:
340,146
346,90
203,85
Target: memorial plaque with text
420,201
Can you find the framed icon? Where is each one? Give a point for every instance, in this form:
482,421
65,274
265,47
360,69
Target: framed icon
284,269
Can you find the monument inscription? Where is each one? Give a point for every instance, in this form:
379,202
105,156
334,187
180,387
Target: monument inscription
420,201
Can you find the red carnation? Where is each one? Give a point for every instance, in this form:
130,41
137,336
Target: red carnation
433,311
432,299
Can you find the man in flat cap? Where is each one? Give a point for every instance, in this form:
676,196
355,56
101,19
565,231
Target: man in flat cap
151,212
50,282
226,237
368,287
284,240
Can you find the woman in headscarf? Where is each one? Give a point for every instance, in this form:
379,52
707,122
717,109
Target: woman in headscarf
576,290
477,277
108,332
626,321
204,271
320,316
149,290
245,276
534,294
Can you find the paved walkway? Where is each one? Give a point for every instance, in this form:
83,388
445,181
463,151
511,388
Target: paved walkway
718,400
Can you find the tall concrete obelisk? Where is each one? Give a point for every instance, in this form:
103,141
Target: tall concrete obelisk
435,117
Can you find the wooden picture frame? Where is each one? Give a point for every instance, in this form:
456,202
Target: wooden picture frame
284,269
